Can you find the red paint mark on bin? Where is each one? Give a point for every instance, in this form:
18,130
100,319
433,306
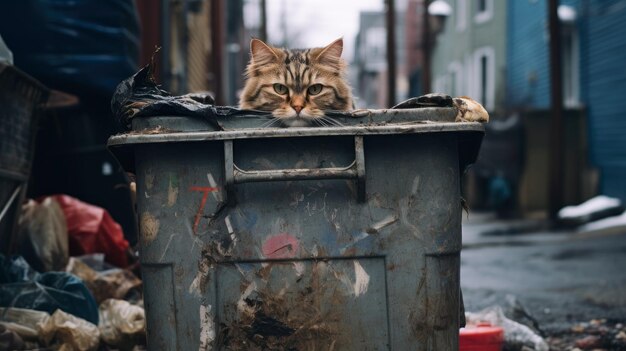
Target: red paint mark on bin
281,246
205,190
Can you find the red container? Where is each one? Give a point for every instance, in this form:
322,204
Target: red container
481,337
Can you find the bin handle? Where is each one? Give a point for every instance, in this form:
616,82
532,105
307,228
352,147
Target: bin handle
356,170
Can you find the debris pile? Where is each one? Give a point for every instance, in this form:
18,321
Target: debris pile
72,286
597,334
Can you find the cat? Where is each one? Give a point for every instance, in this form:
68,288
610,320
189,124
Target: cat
296,85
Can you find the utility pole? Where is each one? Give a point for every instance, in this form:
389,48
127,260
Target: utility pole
556,125
263,29
390,11
217,50
425,49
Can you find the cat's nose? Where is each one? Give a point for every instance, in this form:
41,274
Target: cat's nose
297,103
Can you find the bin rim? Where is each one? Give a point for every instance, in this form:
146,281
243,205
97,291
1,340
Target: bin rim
137,137
469,134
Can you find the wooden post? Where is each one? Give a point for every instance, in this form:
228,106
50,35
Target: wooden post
217,50
426,52
390,11
556,125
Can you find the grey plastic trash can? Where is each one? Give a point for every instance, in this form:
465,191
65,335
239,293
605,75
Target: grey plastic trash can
341,238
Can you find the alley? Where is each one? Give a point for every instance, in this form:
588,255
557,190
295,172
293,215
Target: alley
561,278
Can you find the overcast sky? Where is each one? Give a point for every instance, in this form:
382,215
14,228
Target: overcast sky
318,22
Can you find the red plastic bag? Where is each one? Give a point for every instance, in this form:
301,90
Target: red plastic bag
91,229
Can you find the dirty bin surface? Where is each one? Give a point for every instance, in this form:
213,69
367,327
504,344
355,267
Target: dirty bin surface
343,238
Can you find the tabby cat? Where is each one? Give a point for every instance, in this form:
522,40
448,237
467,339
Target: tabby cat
296,85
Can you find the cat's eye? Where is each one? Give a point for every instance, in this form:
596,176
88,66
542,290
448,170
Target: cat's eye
280,89
315,89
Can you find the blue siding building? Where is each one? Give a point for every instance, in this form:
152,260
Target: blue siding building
594,74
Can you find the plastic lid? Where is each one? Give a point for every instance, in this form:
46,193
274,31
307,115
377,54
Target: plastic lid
481,334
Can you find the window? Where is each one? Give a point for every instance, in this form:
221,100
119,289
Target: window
482,5
484,77
484,11
461,15
375,39
455,78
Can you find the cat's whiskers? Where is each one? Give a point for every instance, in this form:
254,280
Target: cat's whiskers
332,122
269,123
322,122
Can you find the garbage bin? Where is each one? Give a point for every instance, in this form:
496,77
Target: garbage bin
342,238
20,97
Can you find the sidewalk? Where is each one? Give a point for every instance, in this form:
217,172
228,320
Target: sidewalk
560,277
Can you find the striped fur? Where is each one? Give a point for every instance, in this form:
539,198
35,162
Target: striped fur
297,70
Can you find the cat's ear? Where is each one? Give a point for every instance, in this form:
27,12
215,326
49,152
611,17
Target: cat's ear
261,53
331,54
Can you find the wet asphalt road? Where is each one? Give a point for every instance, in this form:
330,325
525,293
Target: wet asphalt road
558,277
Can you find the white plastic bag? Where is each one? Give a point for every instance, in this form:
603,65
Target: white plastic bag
121,324
516,335
70,333
44,230
22,321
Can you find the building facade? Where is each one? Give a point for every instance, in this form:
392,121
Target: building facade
469,56
594,78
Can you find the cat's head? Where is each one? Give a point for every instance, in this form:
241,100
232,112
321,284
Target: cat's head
297,85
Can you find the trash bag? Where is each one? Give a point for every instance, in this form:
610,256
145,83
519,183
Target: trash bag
6,56
91,229
69,333
140,96
122,324
108,284
516,335
23,322
10,340
78,46
42,238
21,286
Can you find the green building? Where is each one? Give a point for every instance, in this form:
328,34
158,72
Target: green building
469,52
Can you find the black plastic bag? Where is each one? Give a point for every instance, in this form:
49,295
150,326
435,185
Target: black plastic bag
140,96
22,287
